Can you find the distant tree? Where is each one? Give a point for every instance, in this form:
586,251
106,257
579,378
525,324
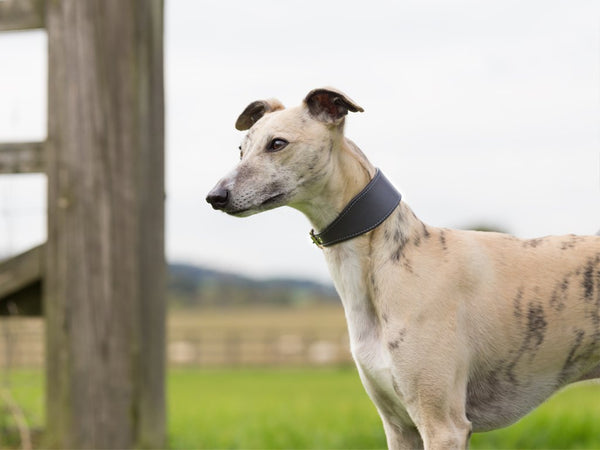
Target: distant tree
486,227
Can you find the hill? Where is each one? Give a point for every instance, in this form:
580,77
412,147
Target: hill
191,286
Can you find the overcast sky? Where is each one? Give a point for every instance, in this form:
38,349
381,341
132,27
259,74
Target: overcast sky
479,112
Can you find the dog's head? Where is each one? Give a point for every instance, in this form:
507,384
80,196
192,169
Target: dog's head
286,154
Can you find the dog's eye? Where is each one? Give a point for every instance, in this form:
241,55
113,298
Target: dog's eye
277,144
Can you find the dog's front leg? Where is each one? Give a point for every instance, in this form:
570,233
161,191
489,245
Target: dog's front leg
424,408
400,432
430,378
444,430
401,437
440,418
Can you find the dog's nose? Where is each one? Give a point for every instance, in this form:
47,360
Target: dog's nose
218,197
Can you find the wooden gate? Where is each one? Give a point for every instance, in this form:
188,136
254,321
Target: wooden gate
102,270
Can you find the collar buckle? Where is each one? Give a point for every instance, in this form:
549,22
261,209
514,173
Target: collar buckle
317,240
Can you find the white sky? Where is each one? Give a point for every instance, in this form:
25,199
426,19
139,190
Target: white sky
479,112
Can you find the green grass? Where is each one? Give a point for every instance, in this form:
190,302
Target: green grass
271,409
318,408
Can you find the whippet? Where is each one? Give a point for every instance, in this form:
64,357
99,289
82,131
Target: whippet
452,331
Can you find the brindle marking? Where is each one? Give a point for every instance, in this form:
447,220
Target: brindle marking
401,240
426,233
559,295
533,243
517,312
588,281
393,345
533,338
578,355
443,240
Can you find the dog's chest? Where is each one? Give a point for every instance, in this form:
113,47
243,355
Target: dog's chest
348,274
368,349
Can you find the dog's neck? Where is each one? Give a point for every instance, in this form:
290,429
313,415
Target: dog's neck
349,172
351,262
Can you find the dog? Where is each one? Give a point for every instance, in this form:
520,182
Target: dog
452,331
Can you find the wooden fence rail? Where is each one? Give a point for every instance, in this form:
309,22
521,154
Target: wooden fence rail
22,157
22,346
276,347
21,14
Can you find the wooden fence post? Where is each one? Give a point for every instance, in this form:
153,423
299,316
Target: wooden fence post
104,291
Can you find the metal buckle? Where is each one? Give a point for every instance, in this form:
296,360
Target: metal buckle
316,239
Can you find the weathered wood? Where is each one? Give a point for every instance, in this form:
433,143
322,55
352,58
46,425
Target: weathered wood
20,283
22,157
21,14
105,282
21,270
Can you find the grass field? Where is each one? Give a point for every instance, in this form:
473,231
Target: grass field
319,408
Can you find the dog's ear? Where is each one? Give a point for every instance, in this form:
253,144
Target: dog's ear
329,105
255,110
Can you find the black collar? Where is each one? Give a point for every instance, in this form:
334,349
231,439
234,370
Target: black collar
365,212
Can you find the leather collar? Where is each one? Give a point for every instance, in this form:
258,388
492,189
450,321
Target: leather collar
365,212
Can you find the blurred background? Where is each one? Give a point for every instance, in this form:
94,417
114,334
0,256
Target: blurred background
480,113
483,114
